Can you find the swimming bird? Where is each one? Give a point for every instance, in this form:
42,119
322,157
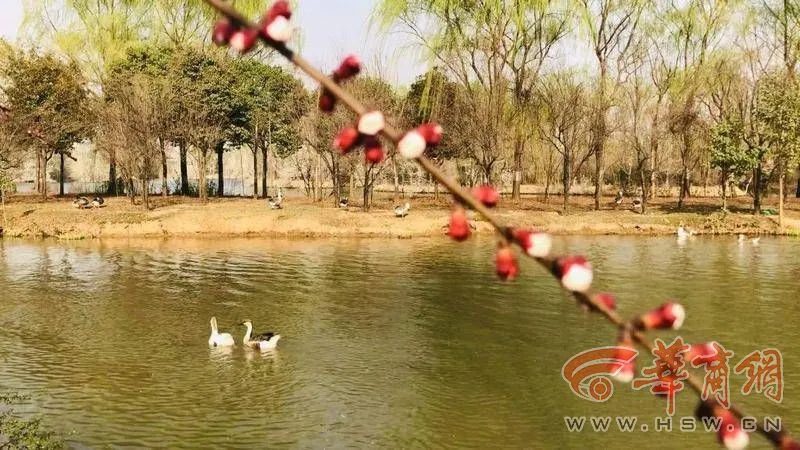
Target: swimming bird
98,202
741,239
263,341
80,202
756,241
218,339
683,233
402,211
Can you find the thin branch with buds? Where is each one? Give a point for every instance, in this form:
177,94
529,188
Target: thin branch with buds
578,283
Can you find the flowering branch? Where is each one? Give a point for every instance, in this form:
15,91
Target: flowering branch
574,272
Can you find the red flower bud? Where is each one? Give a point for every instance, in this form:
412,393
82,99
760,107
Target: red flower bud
606,300
280,8
702,350
244,40
349,68
627,370
412,145
668,315
788,443
326,100
223,30
506,263
459,225
487,195
371,123
373,151
730,432
347,138
432,132
575,273
535,244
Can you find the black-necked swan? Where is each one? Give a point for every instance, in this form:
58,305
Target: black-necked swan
263,341
218,339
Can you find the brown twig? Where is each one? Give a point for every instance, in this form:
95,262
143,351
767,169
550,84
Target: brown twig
461,195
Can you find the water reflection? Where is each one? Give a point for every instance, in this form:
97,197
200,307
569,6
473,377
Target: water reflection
386,343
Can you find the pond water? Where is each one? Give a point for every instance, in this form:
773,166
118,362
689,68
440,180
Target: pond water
386,343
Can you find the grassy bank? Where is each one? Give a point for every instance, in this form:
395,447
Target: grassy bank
185,217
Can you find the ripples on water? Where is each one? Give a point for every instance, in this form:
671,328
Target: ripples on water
386,343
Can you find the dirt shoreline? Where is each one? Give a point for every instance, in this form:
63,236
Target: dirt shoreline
239,217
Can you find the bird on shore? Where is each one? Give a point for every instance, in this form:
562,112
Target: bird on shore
261,342
276,203
402,211
97,202
618,199
218,339
343,203
80,202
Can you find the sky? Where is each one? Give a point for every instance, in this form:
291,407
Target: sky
329,30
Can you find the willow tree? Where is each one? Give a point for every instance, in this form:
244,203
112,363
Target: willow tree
693,30
612,27
496,49
564,108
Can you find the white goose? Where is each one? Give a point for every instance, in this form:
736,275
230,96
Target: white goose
402,211
263,341
683,233
218,339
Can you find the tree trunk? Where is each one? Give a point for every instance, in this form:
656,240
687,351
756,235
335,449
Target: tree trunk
366,188
145,193
164,183
264,162
220,170
684,186
757,189
255,172
37,183
184,169
601,128
565,180
781,181
396,197
516,186
724,185
43,177
61,175
436,190
797,191
202,187
112,175
643,184
131,192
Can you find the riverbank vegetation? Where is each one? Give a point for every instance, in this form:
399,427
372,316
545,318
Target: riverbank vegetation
18,433
671,97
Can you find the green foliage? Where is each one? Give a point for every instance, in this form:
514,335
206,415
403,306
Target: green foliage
16,433
729,153
48,103
434,98
269,104
779,111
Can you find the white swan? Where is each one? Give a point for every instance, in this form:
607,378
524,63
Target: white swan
263,341
218,339
756,241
